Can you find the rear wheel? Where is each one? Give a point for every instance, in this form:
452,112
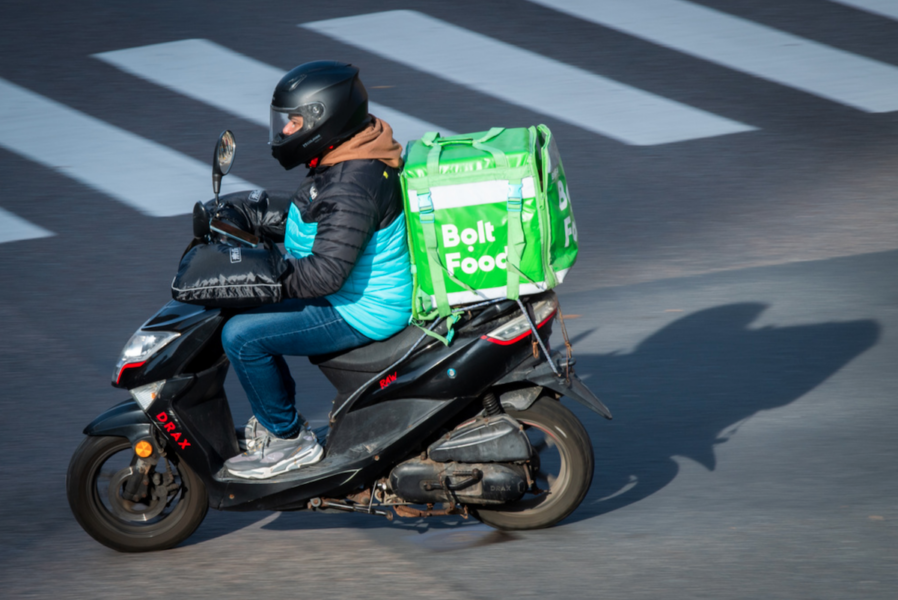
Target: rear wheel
562,466
175,505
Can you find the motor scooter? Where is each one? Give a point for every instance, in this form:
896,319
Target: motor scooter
475,425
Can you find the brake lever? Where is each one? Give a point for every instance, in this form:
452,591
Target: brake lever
229,231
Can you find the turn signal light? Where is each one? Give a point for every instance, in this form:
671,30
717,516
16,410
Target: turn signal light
146,394
143,449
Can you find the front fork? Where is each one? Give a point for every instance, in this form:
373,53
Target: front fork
147,453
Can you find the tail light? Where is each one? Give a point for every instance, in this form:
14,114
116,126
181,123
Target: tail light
518,328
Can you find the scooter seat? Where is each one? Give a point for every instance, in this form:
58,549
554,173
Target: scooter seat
373,357
377,356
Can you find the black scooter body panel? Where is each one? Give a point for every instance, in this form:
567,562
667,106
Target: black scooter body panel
394,418
394,428
199,329
197,424
126,419
178,316
365,442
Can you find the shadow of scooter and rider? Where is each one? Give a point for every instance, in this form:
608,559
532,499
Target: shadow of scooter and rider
688,387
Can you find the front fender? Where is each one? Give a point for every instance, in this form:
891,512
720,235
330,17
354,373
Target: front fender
126,420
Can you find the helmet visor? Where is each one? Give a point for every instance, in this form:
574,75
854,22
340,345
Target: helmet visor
285,122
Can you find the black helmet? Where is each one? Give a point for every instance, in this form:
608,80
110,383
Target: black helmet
333,104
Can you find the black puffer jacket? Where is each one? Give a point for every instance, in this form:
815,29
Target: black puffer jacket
349,201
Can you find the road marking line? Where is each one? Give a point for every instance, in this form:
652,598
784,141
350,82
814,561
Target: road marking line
150,177
524,78
14,228
884,8
231,81
749,47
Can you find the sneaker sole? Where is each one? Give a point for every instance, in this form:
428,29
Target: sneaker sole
312,456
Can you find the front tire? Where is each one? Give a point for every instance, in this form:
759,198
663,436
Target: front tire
563,463
94,483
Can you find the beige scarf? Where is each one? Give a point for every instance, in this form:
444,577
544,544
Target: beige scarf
373,142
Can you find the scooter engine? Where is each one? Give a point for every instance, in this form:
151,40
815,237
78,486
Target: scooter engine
424,481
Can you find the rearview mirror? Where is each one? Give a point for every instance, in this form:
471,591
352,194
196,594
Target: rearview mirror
225,148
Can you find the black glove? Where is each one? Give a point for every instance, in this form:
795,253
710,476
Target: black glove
256,212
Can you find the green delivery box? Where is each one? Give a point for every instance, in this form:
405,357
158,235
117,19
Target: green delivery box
489,216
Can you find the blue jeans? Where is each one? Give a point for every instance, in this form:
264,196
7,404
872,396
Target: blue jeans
256,342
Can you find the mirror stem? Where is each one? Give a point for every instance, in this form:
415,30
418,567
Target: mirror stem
216,188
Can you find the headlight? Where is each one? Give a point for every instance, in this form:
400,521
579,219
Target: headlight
517,328
145,394
140,347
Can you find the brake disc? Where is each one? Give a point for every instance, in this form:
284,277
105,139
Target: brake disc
135,511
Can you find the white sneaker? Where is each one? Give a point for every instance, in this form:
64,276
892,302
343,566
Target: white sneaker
272,456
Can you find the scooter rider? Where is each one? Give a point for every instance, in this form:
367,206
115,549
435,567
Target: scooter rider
348,280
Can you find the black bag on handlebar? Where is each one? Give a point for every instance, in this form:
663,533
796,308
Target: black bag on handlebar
223,276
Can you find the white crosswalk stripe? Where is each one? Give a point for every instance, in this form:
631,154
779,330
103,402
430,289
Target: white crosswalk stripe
15,229
526,79
884,8
159,181
748,47
148,176
230,81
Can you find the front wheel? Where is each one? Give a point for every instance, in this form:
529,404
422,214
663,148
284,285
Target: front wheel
175,505
562,466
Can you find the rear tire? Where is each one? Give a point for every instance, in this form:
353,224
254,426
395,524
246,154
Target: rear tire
551,427
167,520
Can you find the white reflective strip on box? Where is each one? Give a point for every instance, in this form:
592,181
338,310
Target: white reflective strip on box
528,190
463,194
141,173
232,82
749,47
470,194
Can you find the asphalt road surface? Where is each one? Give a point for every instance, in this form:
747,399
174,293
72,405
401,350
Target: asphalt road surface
733,168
